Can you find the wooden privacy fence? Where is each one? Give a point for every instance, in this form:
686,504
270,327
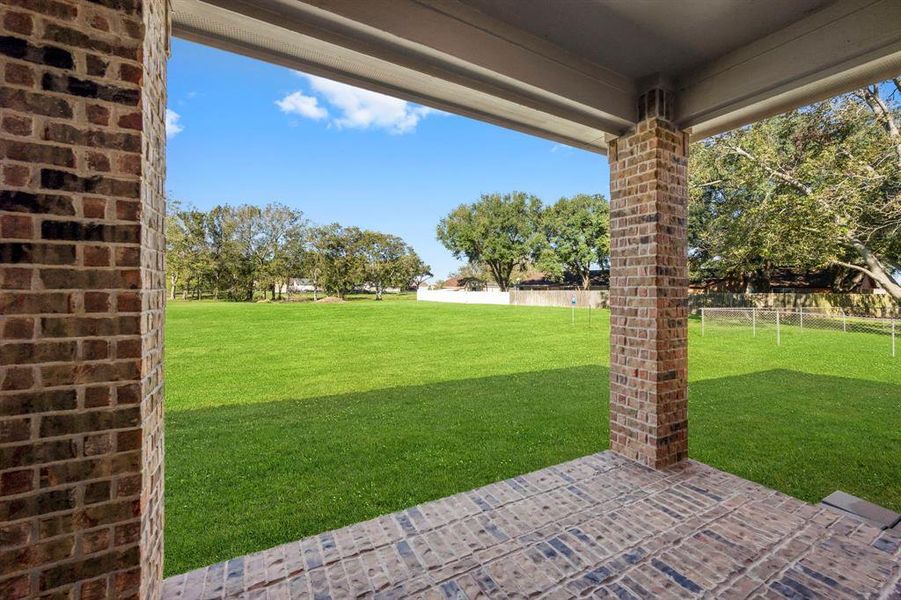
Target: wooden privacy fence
584,298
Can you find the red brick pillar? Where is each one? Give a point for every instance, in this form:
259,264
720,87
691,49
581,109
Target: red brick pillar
82,143
648,290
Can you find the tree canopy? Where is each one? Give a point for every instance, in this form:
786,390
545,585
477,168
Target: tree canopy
498,231
810,188
231,252
577,235
509,233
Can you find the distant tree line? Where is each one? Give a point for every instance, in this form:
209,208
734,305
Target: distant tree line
505,234
236,252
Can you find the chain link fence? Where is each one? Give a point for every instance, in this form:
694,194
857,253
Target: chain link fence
759,319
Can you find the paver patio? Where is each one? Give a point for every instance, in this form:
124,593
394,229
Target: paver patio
599,526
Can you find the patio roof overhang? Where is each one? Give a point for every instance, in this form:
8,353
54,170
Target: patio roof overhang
570,71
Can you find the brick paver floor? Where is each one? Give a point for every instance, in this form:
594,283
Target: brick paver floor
600,526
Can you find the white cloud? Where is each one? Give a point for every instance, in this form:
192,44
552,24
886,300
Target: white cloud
303,105
562,149
173,127
362,109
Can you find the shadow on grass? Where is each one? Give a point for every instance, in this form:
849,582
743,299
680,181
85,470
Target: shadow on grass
804,434
248,477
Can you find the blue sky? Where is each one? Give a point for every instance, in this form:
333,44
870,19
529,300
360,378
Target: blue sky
243,131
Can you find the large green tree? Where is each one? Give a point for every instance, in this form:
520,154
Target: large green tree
228,267
340,258
577,232
500,232
188,260
237,251
283,233
386,264
416,270
813,187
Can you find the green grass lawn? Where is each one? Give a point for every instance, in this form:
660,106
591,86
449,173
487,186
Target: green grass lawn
284,420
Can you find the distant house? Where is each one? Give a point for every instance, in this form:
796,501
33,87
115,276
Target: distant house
788,280
300,285
598,279
470,284
306,285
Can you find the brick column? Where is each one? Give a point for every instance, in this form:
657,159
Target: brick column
648,290
82,143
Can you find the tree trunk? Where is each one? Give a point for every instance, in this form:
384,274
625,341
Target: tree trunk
875,269
174,279
586,280
501,274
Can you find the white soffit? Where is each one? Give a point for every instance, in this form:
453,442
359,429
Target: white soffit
450,85
483,60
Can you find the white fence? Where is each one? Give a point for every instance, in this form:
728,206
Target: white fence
757,319
462,297
591,299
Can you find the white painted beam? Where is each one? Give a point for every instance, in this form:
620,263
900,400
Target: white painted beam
317,41
842,47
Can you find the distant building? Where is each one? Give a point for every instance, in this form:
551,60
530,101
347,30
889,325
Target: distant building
470,284
787,280
598,279
300,285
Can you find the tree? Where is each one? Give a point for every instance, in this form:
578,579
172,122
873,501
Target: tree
417,272
236,251
391,262
813,187
385,265
187,256
339,257
225,253
282,245
250,243
500,232
577,232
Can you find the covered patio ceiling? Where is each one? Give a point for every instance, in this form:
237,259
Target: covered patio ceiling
570,70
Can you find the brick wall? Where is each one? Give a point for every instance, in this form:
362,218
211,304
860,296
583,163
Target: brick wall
81,297
648,290
153,293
